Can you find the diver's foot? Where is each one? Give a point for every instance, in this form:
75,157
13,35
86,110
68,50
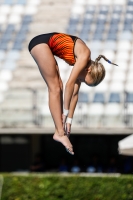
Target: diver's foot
65,141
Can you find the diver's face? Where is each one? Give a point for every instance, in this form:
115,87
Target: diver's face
85,77
88,80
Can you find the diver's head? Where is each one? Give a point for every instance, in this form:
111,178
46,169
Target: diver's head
95,72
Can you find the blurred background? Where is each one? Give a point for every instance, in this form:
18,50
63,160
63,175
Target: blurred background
104,114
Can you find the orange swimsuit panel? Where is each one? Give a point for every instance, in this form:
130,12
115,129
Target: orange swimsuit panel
62,45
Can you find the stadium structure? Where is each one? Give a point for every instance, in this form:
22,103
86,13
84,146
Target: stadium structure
107,28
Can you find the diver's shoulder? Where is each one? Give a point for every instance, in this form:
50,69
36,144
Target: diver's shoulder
81,47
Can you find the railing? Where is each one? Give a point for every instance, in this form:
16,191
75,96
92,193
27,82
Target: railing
38,115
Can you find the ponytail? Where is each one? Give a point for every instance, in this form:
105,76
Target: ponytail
101,56
98,70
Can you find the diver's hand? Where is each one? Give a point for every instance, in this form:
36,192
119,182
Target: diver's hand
68,129
68,126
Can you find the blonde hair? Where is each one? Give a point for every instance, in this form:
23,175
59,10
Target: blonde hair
97,69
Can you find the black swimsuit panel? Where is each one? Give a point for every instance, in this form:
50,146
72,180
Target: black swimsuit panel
44,38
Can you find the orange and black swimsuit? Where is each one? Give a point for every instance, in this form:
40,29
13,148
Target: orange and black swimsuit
61,45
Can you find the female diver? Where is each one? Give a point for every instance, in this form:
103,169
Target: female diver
76,53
